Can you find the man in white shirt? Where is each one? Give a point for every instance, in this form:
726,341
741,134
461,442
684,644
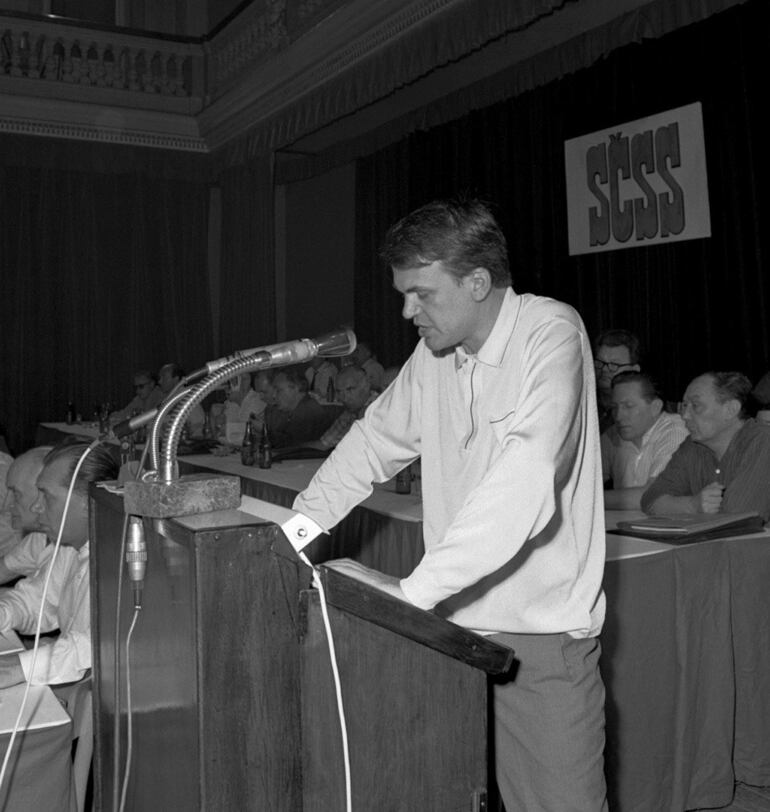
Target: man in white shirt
67,601
640,443
31,549
499,400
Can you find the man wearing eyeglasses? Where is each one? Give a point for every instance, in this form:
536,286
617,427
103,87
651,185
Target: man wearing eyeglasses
614,351
147,395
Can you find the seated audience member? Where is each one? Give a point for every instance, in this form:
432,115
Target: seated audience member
640,443
362,356
614,351
148,396
297,418
320,372
242,401
724,465
169,377
31,549
67,607
355,393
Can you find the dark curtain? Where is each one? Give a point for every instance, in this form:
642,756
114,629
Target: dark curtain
696,305
248,277
103,269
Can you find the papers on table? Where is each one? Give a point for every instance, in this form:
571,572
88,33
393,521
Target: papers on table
43,709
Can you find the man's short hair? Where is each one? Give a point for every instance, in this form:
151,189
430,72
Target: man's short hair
732,386
648,386
294,375
463,234
99,465
620,338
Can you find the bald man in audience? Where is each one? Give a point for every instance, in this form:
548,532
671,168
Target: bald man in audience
354,392
31,550
297,418
724,465
640,443
67,606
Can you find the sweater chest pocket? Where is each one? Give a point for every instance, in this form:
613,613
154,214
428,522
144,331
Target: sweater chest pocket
503,427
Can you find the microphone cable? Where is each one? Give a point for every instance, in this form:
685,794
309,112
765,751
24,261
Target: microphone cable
318,584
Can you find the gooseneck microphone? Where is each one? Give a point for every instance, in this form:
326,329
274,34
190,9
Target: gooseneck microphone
335,344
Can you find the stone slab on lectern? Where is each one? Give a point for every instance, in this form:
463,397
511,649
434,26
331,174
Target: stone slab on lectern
195,493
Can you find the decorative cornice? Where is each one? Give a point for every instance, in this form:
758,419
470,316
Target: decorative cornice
81,132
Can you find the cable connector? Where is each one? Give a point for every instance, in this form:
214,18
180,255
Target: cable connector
136,557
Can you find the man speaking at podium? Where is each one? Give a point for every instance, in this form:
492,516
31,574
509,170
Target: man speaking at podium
498,399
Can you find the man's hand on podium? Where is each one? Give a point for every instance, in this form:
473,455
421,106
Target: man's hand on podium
375,578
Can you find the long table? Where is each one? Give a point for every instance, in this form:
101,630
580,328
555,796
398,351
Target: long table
686,642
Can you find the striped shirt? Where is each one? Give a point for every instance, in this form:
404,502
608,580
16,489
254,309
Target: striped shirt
631,466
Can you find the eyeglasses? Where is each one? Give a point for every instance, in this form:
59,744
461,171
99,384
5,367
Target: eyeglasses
611,366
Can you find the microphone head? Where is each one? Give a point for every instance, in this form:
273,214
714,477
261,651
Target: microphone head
335,344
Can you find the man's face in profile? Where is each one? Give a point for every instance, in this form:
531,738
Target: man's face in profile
439,304
53,485
634,415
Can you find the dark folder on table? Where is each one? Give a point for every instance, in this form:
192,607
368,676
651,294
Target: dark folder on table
690,528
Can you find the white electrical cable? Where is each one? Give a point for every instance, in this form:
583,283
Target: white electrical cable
17,723
337,686
129,719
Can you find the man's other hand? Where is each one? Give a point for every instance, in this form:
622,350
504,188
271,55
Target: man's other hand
711,498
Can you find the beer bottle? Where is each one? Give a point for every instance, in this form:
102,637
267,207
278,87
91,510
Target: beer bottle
248,445
265,455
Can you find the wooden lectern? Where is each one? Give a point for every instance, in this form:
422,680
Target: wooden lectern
233,705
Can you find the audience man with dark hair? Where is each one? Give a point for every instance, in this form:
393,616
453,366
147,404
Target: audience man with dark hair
297,418
640,443
724,465
67,605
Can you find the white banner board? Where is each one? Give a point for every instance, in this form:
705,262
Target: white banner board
639,183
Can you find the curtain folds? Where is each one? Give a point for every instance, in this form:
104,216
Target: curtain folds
102,274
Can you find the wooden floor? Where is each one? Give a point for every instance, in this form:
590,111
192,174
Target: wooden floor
749,799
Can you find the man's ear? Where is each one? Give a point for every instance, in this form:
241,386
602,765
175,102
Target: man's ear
657,405
732,407
480,282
